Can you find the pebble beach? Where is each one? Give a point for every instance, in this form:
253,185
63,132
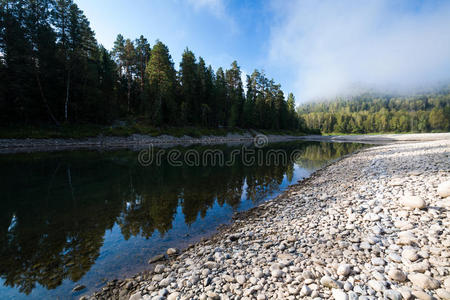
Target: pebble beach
373,225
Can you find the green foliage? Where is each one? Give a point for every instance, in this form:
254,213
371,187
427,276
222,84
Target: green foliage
54,73
370,113
162,82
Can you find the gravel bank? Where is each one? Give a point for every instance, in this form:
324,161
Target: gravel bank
137,142
348,232
133,142
381,138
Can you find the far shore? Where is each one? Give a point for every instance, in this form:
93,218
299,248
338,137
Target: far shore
136,142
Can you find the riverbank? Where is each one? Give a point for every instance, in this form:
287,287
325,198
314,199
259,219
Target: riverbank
380,138
345,232
137,142
134,142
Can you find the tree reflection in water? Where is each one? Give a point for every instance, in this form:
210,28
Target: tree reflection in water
56,207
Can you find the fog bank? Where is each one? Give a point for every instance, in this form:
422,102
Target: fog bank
333,47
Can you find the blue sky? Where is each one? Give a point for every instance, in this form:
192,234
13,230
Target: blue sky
313,48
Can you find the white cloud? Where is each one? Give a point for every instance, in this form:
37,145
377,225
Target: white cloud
334,45
217,7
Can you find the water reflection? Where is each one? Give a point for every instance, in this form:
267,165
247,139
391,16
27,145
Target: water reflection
55,208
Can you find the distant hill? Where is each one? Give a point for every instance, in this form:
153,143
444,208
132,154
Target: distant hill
373,113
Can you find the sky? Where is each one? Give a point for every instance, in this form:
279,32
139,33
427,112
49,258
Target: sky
313,48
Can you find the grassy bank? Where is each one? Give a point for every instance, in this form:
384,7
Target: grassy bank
85,131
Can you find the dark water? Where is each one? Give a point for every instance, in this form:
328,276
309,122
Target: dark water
85,217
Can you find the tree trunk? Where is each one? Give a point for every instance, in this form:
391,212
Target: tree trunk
128,94
44,99
66,103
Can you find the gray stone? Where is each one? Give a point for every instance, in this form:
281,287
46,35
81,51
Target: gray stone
159,269
173,296
277,273
410,254
444,189
395,257
376,285
413,202
423,281
352,296
406,292
305,291
397,275
172,251
339,294
241,279
156,258
447,283
308,275
393,295
344,269
443,294
210,265
136,296
329,282
165,282
422,295
377,261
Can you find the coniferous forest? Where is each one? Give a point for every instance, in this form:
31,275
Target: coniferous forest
54,72
370,113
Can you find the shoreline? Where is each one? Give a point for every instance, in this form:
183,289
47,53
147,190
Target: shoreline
344,232
138,142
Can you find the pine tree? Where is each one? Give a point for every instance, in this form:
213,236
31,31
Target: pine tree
235,94
143,52
162,81
189,81
221,98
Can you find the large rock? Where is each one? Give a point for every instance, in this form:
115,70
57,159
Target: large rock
156,258
277,273
393,295
136,296
447,283
159,269
172,251
329,282
305,291
339,294
397,275
344,269
413,202
241,279
443,294
378,261
423,281
406,238
444,189
422,295
375,285
410,254
173,296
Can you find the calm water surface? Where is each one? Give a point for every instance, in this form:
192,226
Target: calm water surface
86,217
